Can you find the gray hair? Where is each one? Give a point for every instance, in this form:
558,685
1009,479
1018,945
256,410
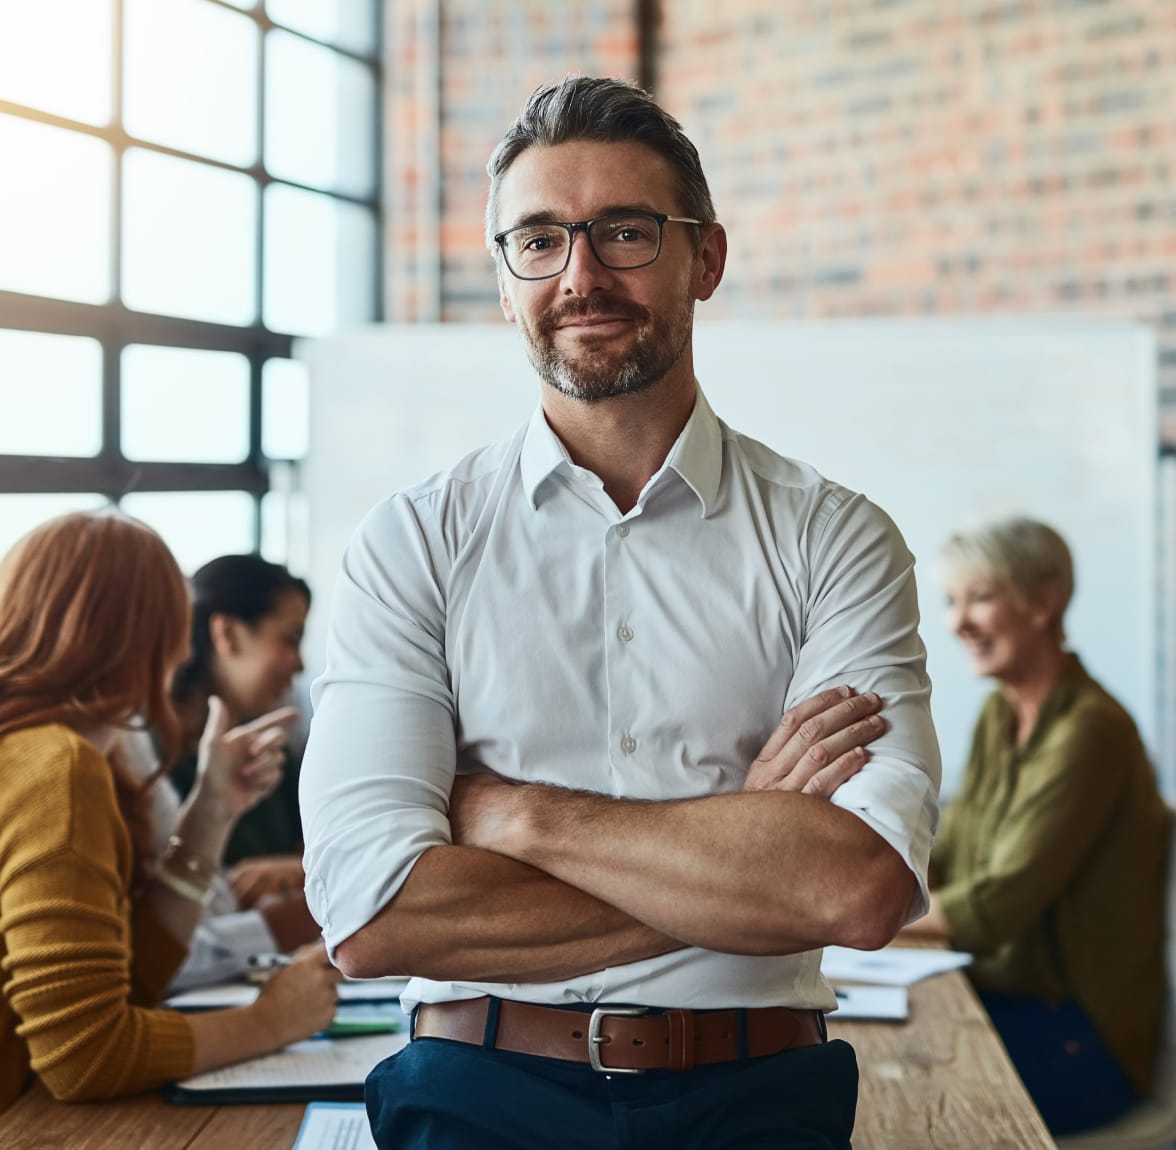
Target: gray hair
606,111
1022,553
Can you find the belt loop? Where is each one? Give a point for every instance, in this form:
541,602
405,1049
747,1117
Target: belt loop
680,1038
412,1022
490,1034
741,1034
821,1025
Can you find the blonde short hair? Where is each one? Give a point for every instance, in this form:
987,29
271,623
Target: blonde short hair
1022,553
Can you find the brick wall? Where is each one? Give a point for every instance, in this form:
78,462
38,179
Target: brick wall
869,157
491,56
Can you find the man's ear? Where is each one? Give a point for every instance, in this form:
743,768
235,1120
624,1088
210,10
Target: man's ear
504,298
712,259
222,629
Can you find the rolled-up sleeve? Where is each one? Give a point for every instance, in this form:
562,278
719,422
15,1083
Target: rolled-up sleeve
862,629
379,762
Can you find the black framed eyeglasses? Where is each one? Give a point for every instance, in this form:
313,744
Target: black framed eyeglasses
620,240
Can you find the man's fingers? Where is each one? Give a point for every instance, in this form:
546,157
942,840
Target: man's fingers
825,782
807,724
833,749
795,717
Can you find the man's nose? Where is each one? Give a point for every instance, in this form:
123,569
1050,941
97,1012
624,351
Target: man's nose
584,273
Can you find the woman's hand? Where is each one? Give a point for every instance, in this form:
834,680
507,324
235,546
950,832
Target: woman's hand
300,999
237,768
257,878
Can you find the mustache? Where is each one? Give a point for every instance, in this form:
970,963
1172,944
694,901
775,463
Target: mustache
587,308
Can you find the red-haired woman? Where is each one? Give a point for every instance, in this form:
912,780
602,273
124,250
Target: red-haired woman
94,619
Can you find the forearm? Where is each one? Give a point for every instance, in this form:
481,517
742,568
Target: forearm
473,915
202,828
765,873
222,1037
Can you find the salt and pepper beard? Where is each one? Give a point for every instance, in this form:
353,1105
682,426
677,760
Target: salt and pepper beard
598,374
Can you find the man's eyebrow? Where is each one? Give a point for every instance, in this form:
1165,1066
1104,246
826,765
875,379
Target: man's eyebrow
549,217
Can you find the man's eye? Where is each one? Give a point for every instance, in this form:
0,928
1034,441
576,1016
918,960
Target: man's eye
538,241
629,232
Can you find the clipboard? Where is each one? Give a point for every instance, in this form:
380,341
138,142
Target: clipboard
318,1069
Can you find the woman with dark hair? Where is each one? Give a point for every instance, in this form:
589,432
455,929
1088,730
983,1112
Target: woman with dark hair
94,622
248,617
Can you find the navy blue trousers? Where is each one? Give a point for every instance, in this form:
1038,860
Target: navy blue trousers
444,1095
1070,1074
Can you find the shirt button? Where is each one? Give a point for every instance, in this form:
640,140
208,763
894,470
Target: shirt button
622,529
628,744
623,633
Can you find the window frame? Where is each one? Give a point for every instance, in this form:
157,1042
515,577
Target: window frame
115,326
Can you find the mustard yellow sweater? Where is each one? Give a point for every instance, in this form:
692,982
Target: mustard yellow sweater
80,963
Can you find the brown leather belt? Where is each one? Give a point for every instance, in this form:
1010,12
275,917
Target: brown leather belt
623,1039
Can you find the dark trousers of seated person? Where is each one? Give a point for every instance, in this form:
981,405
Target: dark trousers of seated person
444,1095
1070,1074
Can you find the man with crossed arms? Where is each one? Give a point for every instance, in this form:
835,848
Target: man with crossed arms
548,775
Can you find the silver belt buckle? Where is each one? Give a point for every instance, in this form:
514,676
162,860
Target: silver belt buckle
596,1040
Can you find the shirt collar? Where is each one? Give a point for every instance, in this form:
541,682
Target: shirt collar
696,456
1070,681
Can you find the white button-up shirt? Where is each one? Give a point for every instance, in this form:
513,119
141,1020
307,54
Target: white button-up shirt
507,612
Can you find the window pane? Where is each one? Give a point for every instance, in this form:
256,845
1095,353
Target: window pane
55,219
56,55
319,126
189,232
50,394
285,409
319,262
185,406
284,529
191,78
349,23
196,525
19,514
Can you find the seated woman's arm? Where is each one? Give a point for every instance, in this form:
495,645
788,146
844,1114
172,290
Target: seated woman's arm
1061,804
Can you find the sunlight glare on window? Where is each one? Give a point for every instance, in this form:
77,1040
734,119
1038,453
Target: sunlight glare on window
285,529
188,239
285,406
185,405
50,394
196,525
54,219
319,109
190,71
19,514
350,24
55,55
319,262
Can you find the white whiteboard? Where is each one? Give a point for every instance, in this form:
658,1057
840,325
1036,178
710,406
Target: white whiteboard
938,421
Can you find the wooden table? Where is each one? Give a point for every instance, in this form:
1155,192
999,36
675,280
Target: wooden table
941,1081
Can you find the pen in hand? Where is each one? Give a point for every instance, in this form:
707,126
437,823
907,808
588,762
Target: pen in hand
261,966
269,961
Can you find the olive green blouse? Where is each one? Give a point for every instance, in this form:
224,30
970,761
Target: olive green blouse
1050,864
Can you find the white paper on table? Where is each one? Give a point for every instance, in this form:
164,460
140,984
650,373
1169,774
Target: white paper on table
335,1126
315,1062
243,993
881,1003
892,966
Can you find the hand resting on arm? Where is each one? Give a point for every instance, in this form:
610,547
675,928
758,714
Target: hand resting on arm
469,911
